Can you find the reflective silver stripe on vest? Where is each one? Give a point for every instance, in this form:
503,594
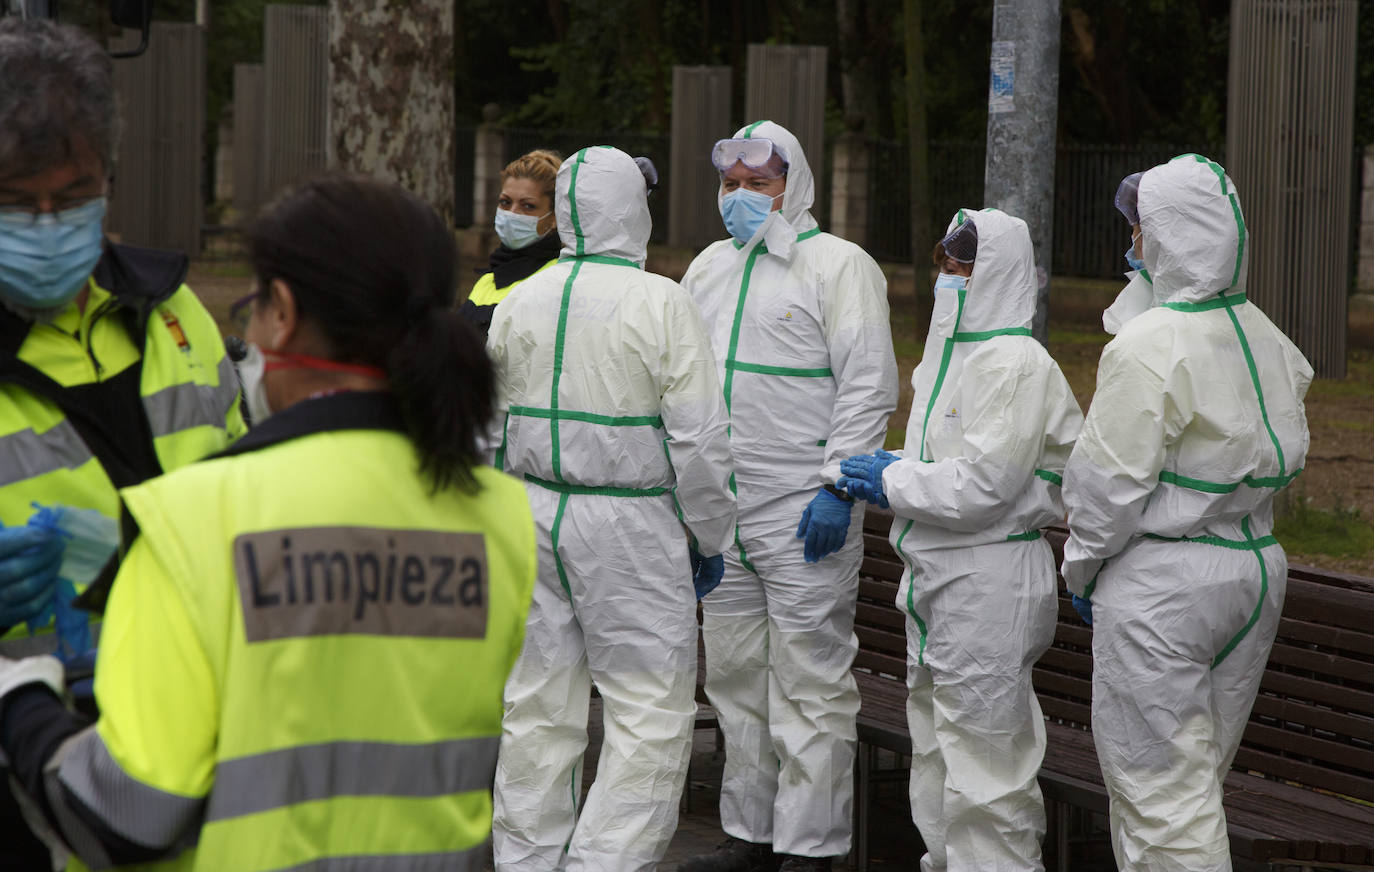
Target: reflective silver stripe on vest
136,811
275,779
471,860
181,407
25,454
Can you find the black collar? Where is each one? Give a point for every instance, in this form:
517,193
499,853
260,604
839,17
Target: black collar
347,410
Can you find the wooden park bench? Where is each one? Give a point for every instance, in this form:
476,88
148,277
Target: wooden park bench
1301,792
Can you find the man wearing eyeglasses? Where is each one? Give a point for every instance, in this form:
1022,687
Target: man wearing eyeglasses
111,371
799,324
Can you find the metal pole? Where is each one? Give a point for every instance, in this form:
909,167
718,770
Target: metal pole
1023,108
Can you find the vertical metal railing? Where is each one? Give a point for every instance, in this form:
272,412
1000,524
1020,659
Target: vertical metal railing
157,197
296,95
1289,129
249,117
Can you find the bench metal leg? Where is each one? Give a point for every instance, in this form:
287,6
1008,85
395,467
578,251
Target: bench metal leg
1061,836
863,783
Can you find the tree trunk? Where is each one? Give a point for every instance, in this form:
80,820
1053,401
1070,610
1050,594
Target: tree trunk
921,241
391,94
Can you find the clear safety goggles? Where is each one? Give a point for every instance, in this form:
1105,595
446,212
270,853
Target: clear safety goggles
753,153
961,243
1126,196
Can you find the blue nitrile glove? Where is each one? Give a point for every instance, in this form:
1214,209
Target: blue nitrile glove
29,560
707,574
823,525
863,476
83,554
1084,607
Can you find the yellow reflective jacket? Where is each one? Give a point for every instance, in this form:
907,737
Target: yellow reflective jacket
303,658
134,384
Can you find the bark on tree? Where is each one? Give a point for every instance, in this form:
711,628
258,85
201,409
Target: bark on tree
391,94
916,135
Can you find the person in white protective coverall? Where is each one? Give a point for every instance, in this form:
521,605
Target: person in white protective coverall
799,322
992,423
1197,422
610,410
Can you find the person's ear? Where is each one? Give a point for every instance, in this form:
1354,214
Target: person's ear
283,315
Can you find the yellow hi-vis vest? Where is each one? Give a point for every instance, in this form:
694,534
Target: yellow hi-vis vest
304,656
142,365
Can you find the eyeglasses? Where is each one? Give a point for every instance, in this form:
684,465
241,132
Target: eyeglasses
241,310
75,212
753,153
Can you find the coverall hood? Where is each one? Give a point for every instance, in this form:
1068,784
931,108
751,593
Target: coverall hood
1195,241
783,226
602,206
1001,292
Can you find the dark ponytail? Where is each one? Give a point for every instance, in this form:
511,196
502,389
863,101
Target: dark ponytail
374,268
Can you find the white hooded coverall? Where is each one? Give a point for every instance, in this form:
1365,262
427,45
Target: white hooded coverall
799,322
1197,422
611,412
992,424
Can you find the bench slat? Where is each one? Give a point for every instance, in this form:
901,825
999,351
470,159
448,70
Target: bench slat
1334,638
1317,691
1297,712
875,662
884,617
1066,660
1327,665
881,568
1251,758
877,591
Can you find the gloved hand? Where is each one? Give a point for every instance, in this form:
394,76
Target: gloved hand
823,525
706,572
29,560
863,476
1084,607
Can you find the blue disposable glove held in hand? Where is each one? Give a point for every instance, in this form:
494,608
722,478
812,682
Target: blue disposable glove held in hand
824,524
707,575
29,561
856,487
1084,607
89,539
863,476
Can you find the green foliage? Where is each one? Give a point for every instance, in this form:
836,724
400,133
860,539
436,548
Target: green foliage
1364,75
1336,531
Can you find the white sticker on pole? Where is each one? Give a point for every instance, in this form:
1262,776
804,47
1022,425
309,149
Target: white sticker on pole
1003,84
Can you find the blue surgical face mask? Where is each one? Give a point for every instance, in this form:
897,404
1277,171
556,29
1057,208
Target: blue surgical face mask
1132,261
744,212
518,231
45,260
950,282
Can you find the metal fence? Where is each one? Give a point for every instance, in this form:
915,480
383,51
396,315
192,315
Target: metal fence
296,95
1292,89
162,93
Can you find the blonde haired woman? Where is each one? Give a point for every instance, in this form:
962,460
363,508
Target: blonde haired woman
524,221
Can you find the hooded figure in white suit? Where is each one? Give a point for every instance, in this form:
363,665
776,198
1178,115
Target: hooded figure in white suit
610,409
992,423
799,323
1197,422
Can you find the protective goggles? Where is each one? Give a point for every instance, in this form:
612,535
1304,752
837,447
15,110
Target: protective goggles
961,243
753,153
1126,195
